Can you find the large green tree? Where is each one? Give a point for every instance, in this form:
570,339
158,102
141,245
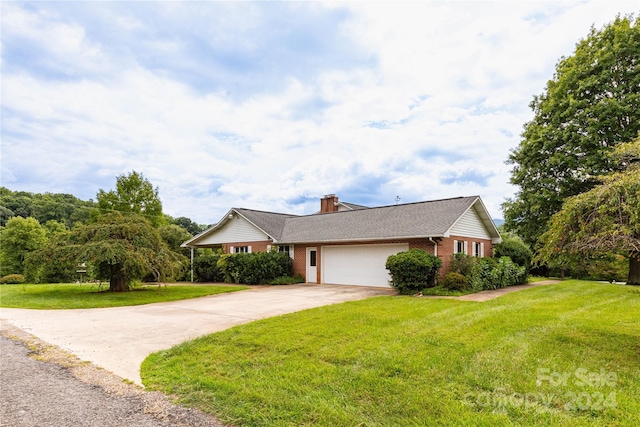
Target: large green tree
174,236
117,246
125,247
591,105
134,193
601,221
17,239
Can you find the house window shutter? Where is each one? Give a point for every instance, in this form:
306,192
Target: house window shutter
455,246
249,249
291,251
268,248
481,250
231,248
465,250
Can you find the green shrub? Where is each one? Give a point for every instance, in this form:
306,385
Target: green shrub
516,250
255,268
483,275
492,273
512,273
229,268
413,270
12,279
205,268
461,263
454,282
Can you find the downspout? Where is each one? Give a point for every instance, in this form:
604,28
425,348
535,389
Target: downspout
435,246
191,263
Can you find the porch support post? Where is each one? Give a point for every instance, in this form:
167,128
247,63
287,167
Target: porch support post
191,263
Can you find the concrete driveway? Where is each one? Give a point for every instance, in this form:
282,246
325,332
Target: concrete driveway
118,339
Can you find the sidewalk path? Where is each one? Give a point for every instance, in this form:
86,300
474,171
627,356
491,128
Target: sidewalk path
495,293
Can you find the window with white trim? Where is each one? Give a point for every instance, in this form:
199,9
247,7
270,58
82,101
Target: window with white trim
459,247
241,249
286,248
478,249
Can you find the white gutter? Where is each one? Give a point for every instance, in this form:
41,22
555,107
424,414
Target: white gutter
435,246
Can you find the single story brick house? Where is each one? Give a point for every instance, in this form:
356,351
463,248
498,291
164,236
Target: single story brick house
349,244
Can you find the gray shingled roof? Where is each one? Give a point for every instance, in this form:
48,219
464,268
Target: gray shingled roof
353,206
270,222
412,220
423,219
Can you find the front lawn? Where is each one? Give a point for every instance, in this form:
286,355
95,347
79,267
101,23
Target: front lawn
65,296
565,354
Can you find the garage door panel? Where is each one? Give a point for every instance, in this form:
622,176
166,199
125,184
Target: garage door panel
358,264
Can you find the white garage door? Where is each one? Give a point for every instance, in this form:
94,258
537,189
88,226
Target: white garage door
358,264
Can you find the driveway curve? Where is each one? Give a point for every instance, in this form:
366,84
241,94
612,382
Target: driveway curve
118,339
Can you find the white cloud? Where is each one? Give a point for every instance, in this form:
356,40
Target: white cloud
443,91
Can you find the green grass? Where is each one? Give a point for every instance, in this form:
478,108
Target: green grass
65,296
440,291
533,279
415,361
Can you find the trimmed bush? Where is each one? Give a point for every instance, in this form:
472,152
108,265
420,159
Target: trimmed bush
12,279
454,282
413,270
255,268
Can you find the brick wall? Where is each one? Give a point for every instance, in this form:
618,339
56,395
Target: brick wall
300,260
260,246
446,249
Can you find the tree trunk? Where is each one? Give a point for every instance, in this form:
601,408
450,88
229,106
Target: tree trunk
634,269
117,281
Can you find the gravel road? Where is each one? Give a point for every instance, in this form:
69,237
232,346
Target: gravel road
41,385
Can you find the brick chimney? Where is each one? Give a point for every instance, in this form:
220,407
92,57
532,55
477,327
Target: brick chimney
329,203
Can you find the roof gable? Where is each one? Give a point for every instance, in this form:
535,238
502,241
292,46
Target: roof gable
242,225
270,223
475,222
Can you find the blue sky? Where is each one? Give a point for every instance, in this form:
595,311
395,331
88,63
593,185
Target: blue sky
270,105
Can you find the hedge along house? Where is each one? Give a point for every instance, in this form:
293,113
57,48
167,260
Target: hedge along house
349,244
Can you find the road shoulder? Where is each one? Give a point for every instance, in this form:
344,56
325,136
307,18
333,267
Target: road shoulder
54,374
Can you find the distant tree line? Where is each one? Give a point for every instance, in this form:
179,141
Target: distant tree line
67,209
63,208
122,237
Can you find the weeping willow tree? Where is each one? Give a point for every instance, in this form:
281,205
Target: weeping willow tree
119,247
125,247
601,221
